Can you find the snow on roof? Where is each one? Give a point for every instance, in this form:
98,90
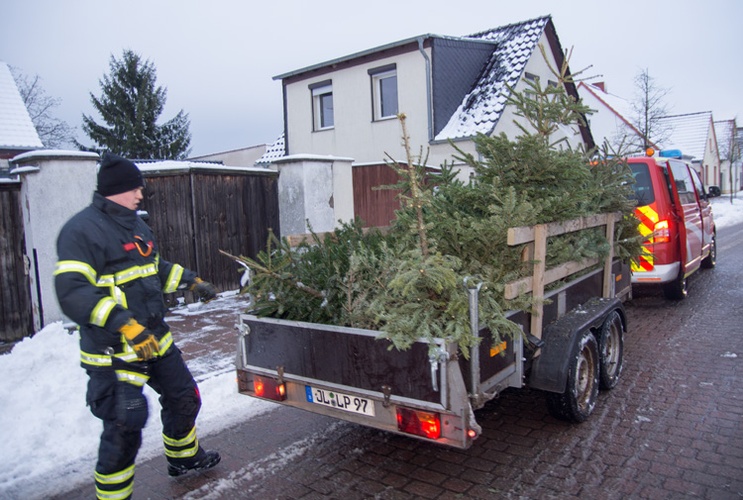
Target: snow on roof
725,133
184,165
689,133
619,105
481,109
274,152
17,131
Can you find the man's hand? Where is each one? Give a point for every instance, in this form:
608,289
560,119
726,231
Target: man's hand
140,339
204,290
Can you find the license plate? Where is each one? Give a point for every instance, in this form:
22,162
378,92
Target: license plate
345,402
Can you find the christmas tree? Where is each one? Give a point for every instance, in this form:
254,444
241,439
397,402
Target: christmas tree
410,282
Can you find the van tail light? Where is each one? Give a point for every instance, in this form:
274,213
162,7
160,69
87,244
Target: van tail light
265,387
662,233
419,423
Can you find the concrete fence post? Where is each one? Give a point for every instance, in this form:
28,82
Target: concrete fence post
55,185
314,192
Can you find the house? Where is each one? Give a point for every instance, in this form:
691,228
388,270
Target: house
610,121
450,88
725,131
241,157
694,135
17,132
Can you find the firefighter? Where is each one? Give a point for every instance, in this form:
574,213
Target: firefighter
110,280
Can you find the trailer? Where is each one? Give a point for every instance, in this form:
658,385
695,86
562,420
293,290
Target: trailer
571,346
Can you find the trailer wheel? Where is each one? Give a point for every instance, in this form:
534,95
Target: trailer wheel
611,351
582,387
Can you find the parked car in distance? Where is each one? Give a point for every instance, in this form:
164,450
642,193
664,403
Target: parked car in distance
714,191
675,218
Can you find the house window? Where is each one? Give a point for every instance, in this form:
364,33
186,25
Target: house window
322,105
384,91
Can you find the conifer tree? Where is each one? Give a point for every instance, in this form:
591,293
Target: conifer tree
412,282
130,105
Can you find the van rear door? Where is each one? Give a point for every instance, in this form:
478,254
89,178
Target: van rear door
685,201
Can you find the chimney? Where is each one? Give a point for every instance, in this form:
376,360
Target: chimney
601,85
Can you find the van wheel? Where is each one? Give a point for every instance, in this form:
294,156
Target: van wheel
676,289
711,260
582,386
611,351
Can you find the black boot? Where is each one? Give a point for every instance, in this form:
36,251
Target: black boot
207,461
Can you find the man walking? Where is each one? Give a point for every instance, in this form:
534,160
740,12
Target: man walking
110,279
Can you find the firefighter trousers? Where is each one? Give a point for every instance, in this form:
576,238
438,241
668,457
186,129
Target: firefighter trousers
115,396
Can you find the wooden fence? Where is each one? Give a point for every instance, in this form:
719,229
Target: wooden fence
197,212
16,320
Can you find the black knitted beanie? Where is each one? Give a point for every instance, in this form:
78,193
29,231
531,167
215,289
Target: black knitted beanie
118,175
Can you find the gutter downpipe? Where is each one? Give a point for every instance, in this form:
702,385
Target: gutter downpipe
428,88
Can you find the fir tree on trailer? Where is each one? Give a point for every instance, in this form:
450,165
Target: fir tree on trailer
410,282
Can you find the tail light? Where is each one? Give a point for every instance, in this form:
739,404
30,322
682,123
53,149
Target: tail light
661,232
265,387
419,423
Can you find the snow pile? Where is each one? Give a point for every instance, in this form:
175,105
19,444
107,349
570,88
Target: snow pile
49,437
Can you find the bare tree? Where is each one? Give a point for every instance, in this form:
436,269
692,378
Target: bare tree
648,108
53,132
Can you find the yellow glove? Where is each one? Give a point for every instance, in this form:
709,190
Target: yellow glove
140,339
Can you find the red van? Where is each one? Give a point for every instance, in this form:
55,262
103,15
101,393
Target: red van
676,219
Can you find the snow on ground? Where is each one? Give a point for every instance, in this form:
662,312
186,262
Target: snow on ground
49,437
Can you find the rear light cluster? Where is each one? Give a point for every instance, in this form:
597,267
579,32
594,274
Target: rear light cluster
420,423
262,387
661,232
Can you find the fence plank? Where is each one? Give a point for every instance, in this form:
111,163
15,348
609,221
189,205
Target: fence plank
16,320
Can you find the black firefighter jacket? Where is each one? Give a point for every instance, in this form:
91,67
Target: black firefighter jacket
109,270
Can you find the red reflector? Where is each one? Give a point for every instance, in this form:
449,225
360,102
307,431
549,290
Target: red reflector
420,423
269,388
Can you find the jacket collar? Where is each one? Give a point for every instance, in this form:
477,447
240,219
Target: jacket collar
121,215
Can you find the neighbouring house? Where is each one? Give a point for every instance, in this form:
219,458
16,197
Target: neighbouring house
610,121
241,157
694,135
725,131
17,132
450,88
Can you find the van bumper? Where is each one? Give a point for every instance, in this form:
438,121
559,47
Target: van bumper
663,273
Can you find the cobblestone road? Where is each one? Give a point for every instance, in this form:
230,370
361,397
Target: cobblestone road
671,428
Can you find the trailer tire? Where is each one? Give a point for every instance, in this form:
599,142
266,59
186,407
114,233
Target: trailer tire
611,351
576,403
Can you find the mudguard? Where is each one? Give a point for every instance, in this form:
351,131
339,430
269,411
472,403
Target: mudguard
549,372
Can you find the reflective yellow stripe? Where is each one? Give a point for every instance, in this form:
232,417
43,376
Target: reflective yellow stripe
102,309
123,477
95,359
135,272
174,279
165,343
191,437
75,266
121,494
116,477
190,445
134,378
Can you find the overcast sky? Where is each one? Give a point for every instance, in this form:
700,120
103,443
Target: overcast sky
217,58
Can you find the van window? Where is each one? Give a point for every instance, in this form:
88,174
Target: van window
684,184
643,185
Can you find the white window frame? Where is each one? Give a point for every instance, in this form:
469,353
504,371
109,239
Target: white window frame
319,116
377,77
